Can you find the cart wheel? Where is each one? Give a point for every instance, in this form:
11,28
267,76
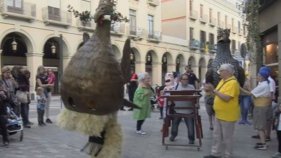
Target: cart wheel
21,135
198,148
166,148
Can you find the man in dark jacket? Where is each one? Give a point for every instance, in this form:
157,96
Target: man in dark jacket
3,114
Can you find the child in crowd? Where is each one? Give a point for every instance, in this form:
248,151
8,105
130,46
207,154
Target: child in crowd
41,103
51,77
160,100
277,126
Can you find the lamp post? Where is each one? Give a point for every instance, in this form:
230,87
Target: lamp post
14,45
53,48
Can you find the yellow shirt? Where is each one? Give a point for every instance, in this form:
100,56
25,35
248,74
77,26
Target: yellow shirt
228,111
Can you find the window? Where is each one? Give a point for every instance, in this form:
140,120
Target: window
150,26
211,39
201,10
54,10
15,6
233,46
202,39
210,15
225,21
85,5
191,31
190,5
239,27
133,22
219,18
232,23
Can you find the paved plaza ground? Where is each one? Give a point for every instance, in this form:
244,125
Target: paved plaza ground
53,142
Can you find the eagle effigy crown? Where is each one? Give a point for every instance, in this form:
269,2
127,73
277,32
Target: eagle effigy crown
223,34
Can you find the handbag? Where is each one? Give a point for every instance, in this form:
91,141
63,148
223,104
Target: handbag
22,96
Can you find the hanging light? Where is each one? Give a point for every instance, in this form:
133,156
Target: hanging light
53,48
178,60
148,57
131,56
14,45
164,59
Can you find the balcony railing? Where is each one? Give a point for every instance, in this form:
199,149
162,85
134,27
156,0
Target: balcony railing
154,36
136,33
88,26
26,12
117,29
212,22
202,46
193,15
212,48
153,2
194,44
203,19
55,16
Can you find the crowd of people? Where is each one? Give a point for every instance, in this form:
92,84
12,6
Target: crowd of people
15,96
230,103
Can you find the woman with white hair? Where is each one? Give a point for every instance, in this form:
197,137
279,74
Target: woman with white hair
227,112
142,99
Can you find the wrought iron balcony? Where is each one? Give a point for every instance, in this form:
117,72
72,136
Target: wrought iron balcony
154,36
88,26
212,48
194,44
27,11
193,15
203,19
136,33
117,29
153,2
55,16
202,46
212,22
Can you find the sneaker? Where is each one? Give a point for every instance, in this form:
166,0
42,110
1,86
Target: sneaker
6,143
256,136
27,126
261,147
172,138
48,121
276,155
211,128
248,123
141,132
211,156
241,122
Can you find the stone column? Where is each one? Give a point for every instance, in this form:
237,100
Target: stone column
140,66
156,73
34,60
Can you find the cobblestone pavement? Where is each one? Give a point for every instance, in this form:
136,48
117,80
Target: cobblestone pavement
53,142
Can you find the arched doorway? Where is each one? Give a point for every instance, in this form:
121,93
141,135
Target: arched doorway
202,69
54,51
14,50
180,64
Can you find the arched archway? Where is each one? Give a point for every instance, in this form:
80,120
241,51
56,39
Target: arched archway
191,62
180,64
202,69
150,59
166,61
134,57
117,52
54,50
14,47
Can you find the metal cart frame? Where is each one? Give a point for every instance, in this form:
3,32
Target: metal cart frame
186,95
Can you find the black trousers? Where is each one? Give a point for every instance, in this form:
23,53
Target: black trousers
3,128
139,124
24,113
279,140
40,114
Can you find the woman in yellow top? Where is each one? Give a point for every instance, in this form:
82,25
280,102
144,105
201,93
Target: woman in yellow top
227,112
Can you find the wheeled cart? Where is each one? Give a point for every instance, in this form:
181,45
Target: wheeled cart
188,96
